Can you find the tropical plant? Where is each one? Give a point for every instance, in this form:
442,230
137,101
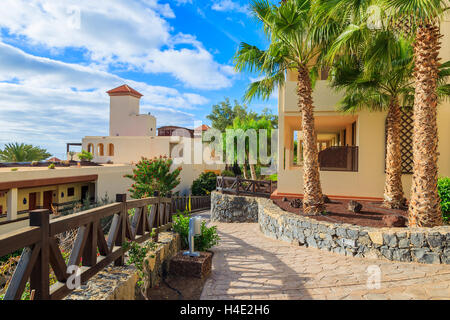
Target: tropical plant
152,175
444,196
208,235
15,152
137,255
72,154
240,128
420,19
204,184
85,155
297,44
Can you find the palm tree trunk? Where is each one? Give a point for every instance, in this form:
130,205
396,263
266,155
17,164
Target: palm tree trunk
252,171
312,191
244,169
424,208
393,189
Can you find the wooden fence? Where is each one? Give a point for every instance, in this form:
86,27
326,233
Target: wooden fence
236,185
93,248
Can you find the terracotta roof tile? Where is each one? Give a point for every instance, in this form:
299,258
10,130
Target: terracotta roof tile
124,90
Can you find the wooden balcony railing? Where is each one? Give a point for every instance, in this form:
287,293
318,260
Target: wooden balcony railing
236,185
93,249
339,159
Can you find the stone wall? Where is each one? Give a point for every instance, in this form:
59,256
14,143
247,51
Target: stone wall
423,245
119,283
230,208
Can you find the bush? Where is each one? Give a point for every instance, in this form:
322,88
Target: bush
227,173
444,195
85,155
206,240
51,166
204,184
153,175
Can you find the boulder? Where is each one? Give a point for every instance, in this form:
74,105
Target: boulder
326,199
395,221
354,206
285,199
296,203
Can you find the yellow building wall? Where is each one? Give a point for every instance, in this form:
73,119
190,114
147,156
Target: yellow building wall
24,194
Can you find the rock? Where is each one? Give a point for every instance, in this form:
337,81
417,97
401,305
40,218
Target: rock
326,199
296,203
354,206
395,221
285,199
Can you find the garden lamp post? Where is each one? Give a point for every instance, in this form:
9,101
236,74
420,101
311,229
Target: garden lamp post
194,229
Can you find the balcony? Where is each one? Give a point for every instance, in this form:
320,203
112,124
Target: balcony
337,158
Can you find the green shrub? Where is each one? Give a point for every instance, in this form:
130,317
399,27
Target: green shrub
51,166
206,240
444,195
153,175
204,184
85,155
227,173
273,177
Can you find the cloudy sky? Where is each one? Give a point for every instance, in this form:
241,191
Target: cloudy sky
59,57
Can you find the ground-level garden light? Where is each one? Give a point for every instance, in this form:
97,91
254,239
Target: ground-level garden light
194,229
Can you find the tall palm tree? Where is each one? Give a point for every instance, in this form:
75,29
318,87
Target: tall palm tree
15,152
296,43
380,88
423,17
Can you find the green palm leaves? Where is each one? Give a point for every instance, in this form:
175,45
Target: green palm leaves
15,152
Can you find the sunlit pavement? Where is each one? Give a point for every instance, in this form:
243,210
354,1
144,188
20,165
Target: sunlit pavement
248,265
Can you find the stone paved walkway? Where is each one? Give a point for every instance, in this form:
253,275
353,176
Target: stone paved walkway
248,265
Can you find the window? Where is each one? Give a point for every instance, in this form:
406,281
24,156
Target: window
90,148
100,149
110,149
70,192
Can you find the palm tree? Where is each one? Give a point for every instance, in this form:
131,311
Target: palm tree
241,127
15,152
296,43
377,89
423,17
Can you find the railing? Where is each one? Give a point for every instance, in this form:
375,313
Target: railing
236,185
93,248
339,159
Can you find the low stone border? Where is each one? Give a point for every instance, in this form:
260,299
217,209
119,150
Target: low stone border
119,283
231,208
423,245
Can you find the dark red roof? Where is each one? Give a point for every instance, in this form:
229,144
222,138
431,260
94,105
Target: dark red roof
124,90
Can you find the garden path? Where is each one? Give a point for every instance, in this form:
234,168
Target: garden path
248,265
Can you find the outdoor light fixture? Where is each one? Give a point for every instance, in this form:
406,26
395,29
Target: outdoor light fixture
194,229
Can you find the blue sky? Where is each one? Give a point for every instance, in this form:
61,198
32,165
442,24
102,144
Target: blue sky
58,58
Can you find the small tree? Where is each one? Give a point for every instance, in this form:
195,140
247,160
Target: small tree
153,175
85,155
204,184
72,154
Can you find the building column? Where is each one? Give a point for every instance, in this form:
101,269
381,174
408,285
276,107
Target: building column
11,204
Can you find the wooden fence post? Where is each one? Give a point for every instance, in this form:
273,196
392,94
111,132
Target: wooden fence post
120,239
39,277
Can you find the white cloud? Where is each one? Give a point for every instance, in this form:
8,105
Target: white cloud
229,5
49,103
132,34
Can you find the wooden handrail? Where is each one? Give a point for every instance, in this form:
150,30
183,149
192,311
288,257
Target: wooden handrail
237,185
40,245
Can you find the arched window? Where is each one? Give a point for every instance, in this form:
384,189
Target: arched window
110,149
90,148
100,149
